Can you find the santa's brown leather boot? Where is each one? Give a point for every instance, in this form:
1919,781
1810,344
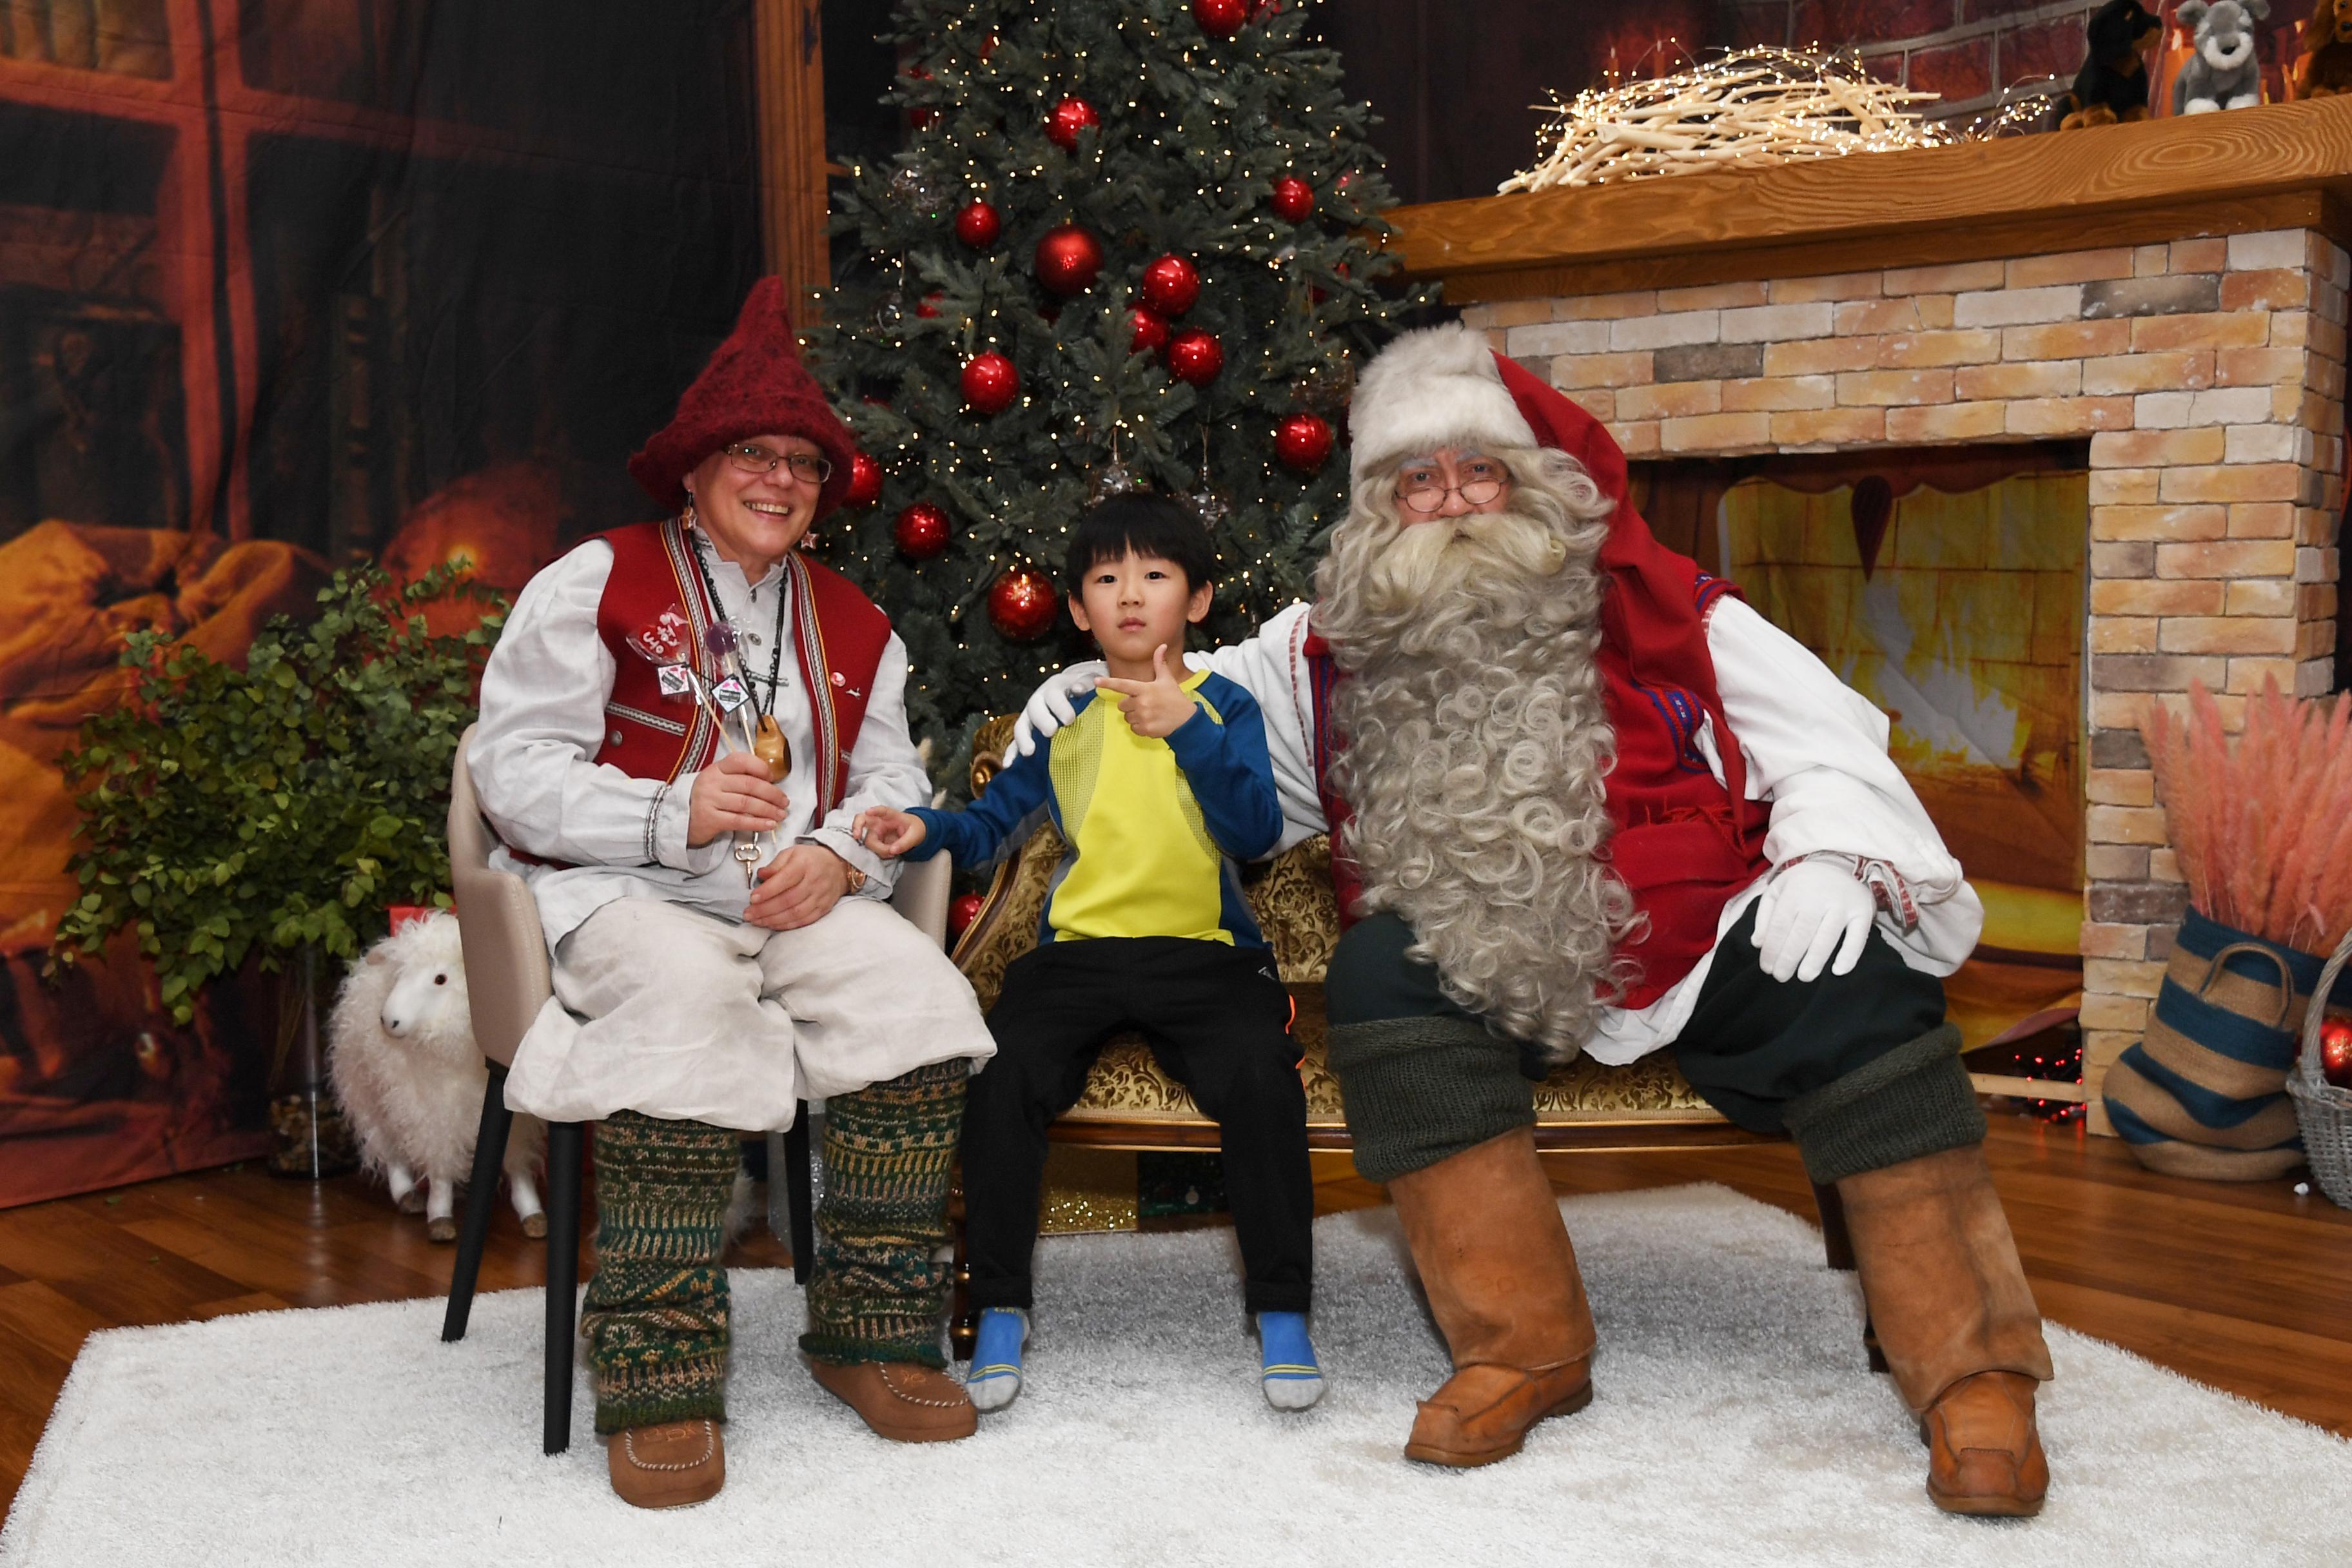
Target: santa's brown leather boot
1486,1235
1958,1324
669,1465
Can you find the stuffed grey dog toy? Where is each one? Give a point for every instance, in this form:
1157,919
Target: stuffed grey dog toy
2221,72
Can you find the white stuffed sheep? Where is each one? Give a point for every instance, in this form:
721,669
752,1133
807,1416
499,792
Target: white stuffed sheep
402,1060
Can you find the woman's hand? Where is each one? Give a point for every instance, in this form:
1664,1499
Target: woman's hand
732,795
798,887
889,832
1154,708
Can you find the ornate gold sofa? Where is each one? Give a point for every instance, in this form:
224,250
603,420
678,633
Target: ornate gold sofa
1130,1104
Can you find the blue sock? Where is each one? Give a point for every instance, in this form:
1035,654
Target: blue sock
1288,1372
995,1375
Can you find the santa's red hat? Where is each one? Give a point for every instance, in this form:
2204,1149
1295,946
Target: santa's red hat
754,386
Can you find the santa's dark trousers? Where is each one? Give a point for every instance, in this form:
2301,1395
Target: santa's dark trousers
1861,1069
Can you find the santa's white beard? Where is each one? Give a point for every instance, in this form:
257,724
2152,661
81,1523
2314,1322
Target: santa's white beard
1474,749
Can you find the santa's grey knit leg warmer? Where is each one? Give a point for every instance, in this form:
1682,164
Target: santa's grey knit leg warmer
1419,1089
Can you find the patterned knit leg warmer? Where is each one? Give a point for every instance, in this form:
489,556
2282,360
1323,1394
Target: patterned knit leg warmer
655,1317
877,1293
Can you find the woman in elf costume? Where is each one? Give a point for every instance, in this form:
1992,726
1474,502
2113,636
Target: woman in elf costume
678,725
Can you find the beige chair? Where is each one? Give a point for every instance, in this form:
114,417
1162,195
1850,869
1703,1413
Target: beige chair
508,982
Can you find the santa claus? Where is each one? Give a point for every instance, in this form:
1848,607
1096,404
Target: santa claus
1584,798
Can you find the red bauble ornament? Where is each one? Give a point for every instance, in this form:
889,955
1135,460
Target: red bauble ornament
963,910
1293,198
1221,18
1067,259
1195,356
1069,117
978,225
1022,604
864,482
990,382
1170,285
928,307
1302,441
1147,331
2336,1052
921,532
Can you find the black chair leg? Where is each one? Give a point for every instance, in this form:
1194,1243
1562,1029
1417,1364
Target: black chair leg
481,1193
797,1194
564,1141
1837,1242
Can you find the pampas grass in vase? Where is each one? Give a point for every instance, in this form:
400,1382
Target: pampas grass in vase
2263,827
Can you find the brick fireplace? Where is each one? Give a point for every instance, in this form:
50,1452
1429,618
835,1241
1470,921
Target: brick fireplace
2197,349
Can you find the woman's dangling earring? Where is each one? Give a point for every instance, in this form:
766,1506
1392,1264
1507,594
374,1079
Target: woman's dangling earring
688,518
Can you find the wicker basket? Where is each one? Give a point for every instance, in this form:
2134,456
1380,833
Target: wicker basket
2322,1111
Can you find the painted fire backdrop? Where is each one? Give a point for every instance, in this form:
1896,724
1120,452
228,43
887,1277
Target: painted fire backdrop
284,282
1948,587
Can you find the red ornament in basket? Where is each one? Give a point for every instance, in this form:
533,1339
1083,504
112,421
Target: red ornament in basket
2336,1052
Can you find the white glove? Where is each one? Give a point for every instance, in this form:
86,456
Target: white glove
1048,707
1809,910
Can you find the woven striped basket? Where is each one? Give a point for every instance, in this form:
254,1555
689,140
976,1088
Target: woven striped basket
2322,1110
2203,1094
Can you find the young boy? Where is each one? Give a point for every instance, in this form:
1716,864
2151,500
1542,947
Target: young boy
1159,786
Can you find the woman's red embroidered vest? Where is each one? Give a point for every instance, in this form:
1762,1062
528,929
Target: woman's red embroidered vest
1680,843
838,635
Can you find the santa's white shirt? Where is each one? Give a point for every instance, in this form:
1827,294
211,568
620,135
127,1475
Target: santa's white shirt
1816,755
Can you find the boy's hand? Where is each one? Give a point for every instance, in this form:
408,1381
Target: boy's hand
890,833
1154,708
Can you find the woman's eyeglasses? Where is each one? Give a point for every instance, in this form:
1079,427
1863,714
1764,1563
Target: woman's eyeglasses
752,458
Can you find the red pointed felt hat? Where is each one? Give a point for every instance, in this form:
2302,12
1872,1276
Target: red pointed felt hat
754,386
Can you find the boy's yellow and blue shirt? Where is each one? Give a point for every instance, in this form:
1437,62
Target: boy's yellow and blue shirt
1155,827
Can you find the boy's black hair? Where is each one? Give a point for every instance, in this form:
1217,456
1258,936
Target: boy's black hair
1145,524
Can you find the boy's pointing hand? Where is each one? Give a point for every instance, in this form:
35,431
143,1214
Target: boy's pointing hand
1154,708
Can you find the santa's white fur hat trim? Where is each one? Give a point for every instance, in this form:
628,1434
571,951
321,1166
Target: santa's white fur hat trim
1431,388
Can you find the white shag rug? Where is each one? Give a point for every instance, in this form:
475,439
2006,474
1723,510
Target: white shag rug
1735,1422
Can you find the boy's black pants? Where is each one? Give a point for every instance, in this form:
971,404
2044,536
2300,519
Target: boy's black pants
1218,1020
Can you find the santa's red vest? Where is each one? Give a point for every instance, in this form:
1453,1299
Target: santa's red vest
1684,843
838,635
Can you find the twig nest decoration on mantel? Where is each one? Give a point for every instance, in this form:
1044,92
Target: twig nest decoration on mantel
1749,109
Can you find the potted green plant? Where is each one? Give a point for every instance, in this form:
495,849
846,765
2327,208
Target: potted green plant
278,809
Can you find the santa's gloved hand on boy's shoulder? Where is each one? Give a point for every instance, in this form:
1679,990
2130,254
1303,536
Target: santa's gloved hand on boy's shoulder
1049,707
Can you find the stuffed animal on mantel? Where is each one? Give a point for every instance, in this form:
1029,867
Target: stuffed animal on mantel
2113,83
2325,68
2220,71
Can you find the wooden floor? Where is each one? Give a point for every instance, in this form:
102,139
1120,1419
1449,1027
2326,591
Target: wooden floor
2243,1288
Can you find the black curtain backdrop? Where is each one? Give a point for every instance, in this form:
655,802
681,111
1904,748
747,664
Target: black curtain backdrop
284,283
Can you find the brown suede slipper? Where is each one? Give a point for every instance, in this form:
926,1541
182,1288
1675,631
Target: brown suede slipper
901,1400
672,1465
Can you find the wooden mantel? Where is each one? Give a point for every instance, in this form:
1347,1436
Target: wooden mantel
2286,165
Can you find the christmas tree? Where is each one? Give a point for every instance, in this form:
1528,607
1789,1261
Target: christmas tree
1124,245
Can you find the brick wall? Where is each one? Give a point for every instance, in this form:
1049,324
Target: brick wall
1967,50
2208,376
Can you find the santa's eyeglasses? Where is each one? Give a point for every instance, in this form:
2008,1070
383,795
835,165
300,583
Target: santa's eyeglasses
1421,493
752,458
